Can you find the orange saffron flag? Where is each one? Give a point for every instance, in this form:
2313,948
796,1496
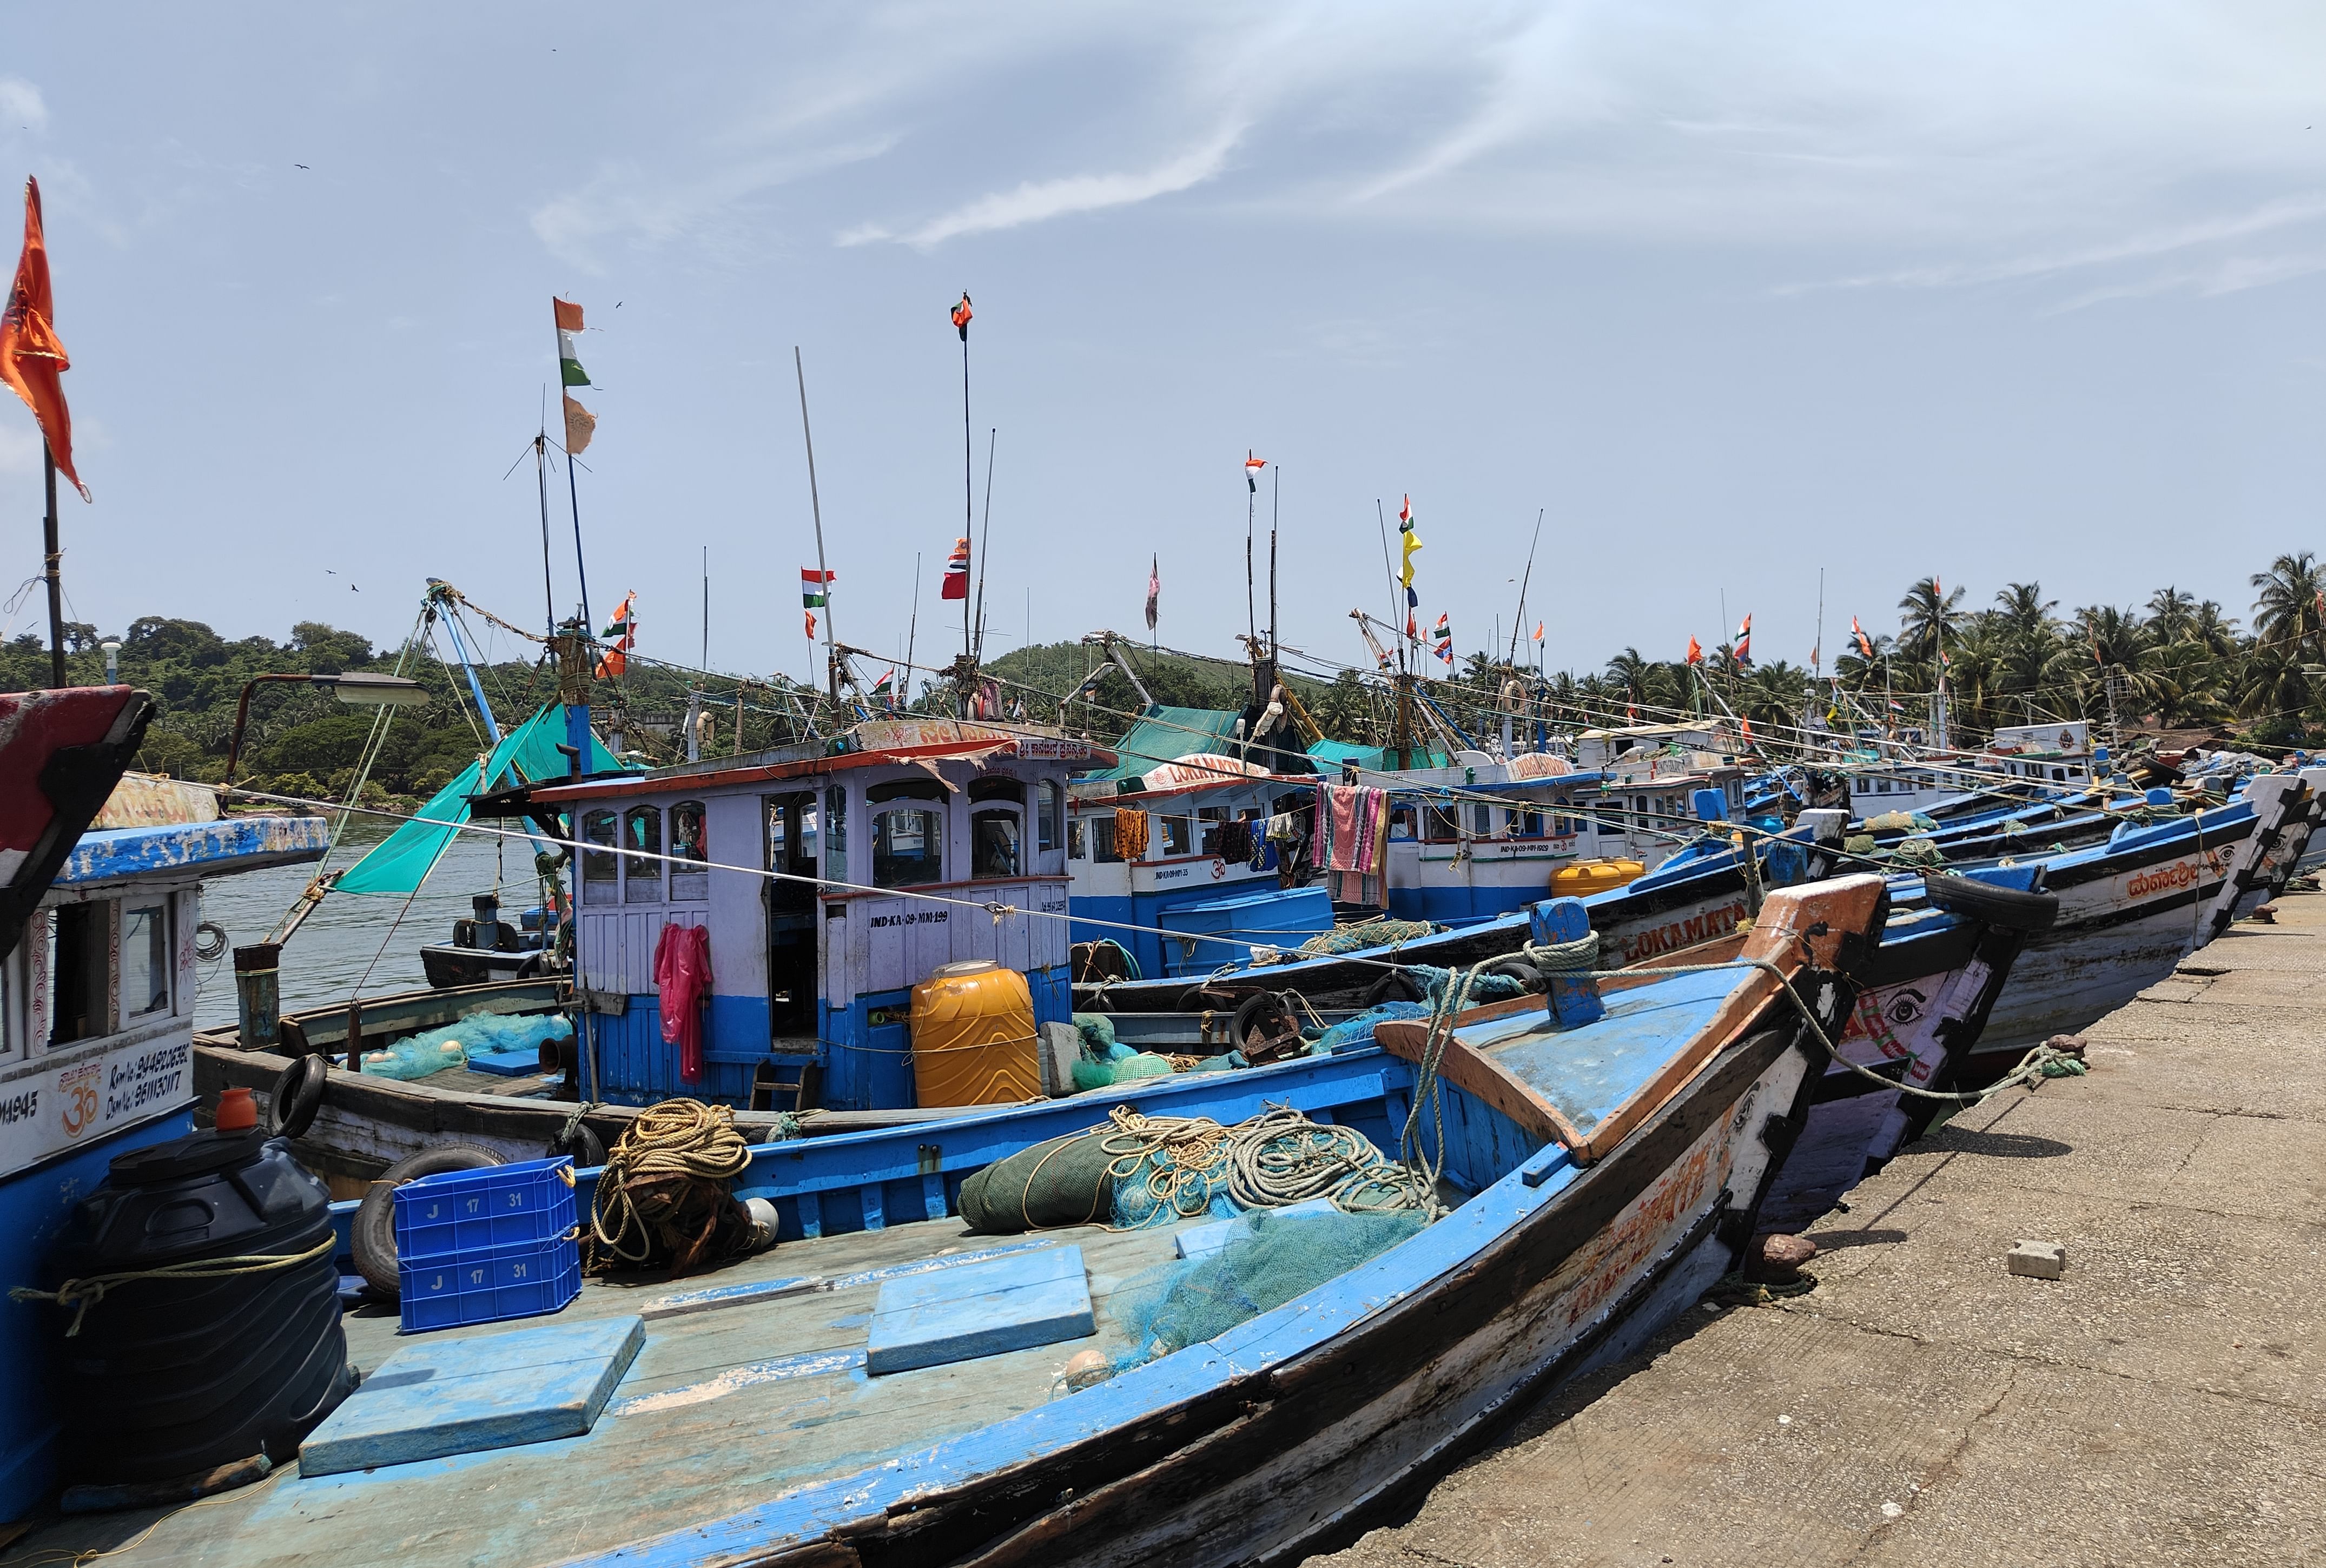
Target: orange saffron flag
31,359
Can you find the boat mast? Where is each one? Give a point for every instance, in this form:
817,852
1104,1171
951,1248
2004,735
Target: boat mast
816,509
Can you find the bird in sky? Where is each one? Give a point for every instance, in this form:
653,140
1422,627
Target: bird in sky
298,166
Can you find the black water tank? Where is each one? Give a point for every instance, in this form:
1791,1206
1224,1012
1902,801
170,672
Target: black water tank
173,1376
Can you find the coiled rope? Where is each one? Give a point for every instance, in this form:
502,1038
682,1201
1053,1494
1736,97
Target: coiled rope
1269,1161
80,1294
673,1145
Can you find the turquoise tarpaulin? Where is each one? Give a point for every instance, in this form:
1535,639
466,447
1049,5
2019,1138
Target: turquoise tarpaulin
398,863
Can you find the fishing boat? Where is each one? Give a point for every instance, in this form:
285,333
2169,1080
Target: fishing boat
1598,1178
98,967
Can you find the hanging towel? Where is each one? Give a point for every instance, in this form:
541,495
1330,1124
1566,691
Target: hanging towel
1284,827
1130,833
1353,840
681,971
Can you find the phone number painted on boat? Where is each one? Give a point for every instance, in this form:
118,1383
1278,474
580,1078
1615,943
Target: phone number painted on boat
81,1099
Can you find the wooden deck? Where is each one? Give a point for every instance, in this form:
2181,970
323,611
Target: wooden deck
722,1409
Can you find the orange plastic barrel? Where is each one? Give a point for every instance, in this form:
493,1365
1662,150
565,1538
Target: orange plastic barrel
1588,876
973,1027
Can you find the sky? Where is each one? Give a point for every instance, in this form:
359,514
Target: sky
1736,300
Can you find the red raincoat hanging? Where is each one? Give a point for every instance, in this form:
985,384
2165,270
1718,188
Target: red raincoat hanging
681,971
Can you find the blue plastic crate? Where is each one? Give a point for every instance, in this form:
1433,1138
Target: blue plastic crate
460,1213
521,1280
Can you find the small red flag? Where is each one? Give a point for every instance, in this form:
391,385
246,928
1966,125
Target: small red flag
1695,651
961,316
32,357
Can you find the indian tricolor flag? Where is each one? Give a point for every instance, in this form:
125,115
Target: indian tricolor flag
815,586
956,572
569,321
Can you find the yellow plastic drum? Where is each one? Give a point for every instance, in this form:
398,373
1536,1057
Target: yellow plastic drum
973,1027
1588,876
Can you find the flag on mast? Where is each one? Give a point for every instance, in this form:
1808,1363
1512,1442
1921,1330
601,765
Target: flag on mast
1695,650
33,358
581,424
1863,647
962,314
569,321
956,572
1538,631
624,630
1252,466
1445,649
1154,587
1743,653
1411,542
815,586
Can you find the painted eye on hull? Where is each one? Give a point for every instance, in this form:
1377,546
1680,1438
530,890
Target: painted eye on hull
1906,1006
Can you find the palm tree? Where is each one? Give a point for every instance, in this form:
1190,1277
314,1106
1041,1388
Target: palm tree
2290,605
2168,614
1627,673
2274,689
2210,629
1921,630
2026,612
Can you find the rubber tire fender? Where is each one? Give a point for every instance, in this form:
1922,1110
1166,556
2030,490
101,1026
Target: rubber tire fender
297,1096
372,1236
1398,985
2003,906
585,1145
1250,1012
1528,977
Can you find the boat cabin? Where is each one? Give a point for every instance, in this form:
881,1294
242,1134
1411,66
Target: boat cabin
924,843
1484,837
1180,855
97,1022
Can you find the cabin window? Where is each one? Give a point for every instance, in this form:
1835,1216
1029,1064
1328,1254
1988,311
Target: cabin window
78,936
1440,826
1401,823
835,847
1482,820
1102,837
986,790
1611,824
145,966
995,840
1077,840
1045,814
2060,773
689,843
1178,836
908,845
1531,824
600,872
906,789
642,837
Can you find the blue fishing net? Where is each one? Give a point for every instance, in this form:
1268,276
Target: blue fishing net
1270,1259
1354,1031
1484,988
480,1033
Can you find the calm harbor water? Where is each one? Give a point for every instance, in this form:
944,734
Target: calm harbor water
350,935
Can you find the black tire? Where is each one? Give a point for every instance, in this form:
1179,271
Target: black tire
2002,907
372,1236
1254,1015
1206,998
1528,977
585,1145
297,1096
1396,986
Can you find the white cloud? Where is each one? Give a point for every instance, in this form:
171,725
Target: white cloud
22,107
624,199
1033,202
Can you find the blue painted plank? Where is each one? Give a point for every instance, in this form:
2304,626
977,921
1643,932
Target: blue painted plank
1009,1304
460,1395
711,1298
505,1063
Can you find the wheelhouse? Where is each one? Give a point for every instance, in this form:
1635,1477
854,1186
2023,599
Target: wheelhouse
830,882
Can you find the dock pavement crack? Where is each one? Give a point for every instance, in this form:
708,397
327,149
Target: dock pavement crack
1946,1465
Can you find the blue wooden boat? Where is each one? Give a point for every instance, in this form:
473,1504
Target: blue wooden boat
1601,1178
96,1005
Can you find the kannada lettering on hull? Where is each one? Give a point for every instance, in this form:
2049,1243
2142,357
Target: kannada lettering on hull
77,1102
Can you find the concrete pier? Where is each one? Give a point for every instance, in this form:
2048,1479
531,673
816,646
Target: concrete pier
2164,1402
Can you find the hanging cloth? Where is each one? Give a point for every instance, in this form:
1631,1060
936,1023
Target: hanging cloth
1353,840
1130,833
682,972
1235,841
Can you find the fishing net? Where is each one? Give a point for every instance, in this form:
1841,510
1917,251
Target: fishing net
1917,852
1131,1067
1063,1181
1370,934
480,1033
1269,1259
1360,1029
1899,822
1482,987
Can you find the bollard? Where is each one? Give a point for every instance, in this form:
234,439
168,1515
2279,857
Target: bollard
1572,999
258,995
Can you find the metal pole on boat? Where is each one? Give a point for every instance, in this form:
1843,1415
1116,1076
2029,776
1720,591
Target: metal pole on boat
541,482
816,508
968,492
53,557
1519,625
1380,520
912,632
1275,508
984,538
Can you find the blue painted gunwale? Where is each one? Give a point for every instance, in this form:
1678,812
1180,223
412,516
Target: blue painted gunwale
192,848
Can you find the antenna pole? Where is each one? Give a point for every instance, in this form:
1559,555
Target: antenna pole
1523,582
912,631
985,537
816,507
1275,506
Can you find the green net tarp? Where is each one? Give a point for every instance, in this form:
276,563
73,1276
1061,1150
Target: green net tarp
1270,1259
399,863
1166,735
